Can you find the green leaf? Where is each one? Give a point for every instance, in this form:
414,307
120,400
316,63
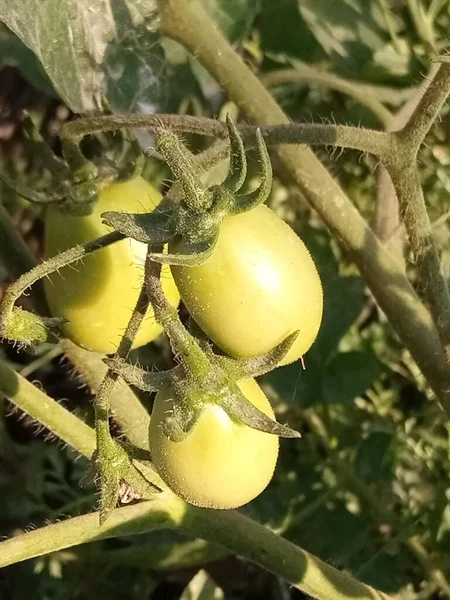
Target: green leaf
14,53
349,31
89,49
202,587
234,17
375,456
349,375
133,64
284,32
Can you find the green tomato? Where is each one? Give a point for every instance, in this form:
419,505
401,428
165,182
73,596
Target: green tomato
222,463
259,285
98,294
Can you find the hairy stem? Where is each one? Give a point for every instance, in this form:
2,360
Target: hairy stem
110,457
431,278
50,266
187,22
46,411
167,316
229,529
16,258
427,110
127,410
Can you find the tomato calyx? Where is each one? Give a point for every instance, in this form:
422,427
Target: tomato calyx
29,329
192,227
193,394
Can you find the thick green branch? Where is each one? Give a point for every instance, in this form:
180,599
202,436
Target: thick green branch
187,22
46,411
229,529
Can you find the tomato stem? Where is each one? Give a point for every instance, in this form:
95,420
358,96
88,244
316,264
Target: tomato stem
196,197
16,289
112,459
167,316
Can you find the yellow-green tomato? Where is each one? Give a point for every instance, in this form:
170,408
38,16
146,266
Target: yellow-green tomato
259,286
222,463
97,295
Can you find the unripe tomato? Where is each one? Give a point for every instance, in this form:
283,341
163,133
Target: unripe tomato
222,463
259,285
97,295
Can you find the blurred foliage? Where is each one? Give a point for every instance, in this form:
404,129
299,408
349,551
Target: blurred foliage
367,488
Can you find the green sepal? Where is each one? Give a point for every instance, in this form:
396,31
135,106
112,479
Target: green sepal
240,408
179,425
155,228
259,365
238,161
194,255
245,202
28,328
145,380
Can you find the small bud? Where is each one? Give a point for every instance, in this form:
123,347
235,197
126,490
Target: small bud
28,328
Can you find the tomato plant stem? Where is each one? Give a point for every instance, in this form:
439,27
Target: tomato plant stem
51,265
127,410
229,529
33,401
167,316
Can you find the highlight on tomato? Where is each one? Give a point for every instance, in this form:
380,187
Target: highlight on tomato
222,463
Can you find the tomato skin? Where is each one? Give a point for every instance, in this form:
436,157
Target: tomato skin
259,286
222,463
97,295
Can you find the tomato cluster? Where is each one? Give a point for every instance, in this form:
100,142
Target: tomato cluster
259,285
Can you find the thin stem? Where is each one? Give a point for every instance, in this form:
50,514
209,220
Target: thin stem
16,258
51,265
340,136
388,225
364,94
167,316
188,23
111,459
74,131
127,410
427,110
229,529
46,411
